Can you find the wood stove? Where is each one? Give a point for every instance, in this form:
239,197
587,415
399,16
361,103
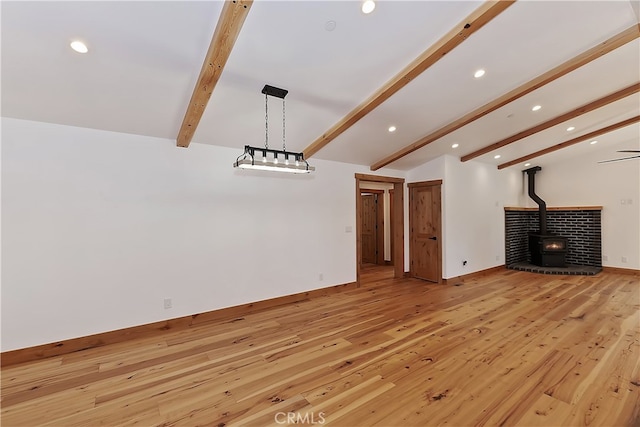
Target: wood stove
546,249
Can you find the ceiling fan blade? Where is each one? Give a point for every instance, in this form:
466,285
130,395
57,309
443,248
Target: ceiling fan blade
628,151
617,160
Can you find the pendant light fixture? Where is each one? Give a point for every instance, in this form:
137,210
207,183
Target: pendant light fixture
265,158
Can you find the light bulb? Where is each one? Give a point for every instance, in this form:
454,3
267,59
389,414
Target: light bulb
79,47
368,6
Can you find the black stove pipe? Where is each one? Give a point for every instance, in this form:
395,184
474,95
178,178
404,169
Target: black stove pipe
542,206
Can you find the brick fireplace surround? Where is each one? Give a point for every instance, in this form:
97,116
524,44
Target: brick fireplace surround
581,225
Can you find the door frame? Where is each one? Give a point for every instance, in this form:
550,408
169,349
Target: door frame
397,226
379,223
410,186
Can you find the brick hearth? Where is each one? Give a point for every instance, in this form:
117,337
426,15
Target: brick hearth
580,225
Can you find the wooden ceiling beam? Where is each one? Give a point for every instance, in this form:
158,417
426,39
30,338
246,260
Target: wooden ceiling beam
584,58
476,20
225,35
570,142
623,93
375,178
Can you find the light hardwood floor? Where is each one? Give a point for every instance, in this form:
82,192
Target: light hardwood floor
510,348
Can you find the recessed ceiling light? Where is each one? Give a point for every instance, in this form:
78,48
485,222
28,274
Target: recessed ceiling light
479,73
368,6
455,146
593,142
392,128
79,47
527,164
570,128
497,156
536,107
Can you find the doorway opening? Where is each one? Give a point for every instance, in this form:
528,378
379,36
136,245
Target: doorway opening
374,226
379,225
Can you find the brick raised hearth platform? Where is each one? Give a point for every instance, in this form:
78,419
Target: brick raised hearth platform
573,270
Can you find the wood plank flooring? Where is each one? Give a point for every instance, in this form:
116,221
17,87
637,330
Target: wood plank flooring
509,349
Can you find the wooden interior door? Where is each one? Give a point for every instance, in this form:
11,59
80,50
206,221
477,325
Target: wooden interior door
391,222
368,235
379,226
425,230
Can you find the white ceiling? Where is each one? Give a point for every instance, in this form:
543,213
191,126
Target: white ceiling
145,58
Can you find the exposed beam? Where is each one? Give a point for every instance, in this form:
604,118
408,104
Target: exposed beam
375,178
573,141
634,88
483,14
225,35
584,58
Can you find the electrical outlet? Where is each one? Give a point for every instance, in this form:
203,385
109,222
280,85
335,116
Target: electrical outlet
348,229
497,257
624,259
605,258
321,277
168,303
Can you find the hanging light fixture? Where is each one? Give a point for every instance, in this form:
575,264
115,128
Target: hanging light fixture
265,158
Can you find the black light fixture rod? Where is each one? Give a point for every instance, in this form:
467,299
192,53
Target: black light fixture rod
265,151
274,91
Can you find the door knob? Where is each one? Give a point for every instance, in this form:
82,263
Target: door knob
433,238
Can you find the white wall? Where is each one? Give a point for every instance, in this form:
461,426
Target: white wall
476,196
473,198
99,227
582,181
